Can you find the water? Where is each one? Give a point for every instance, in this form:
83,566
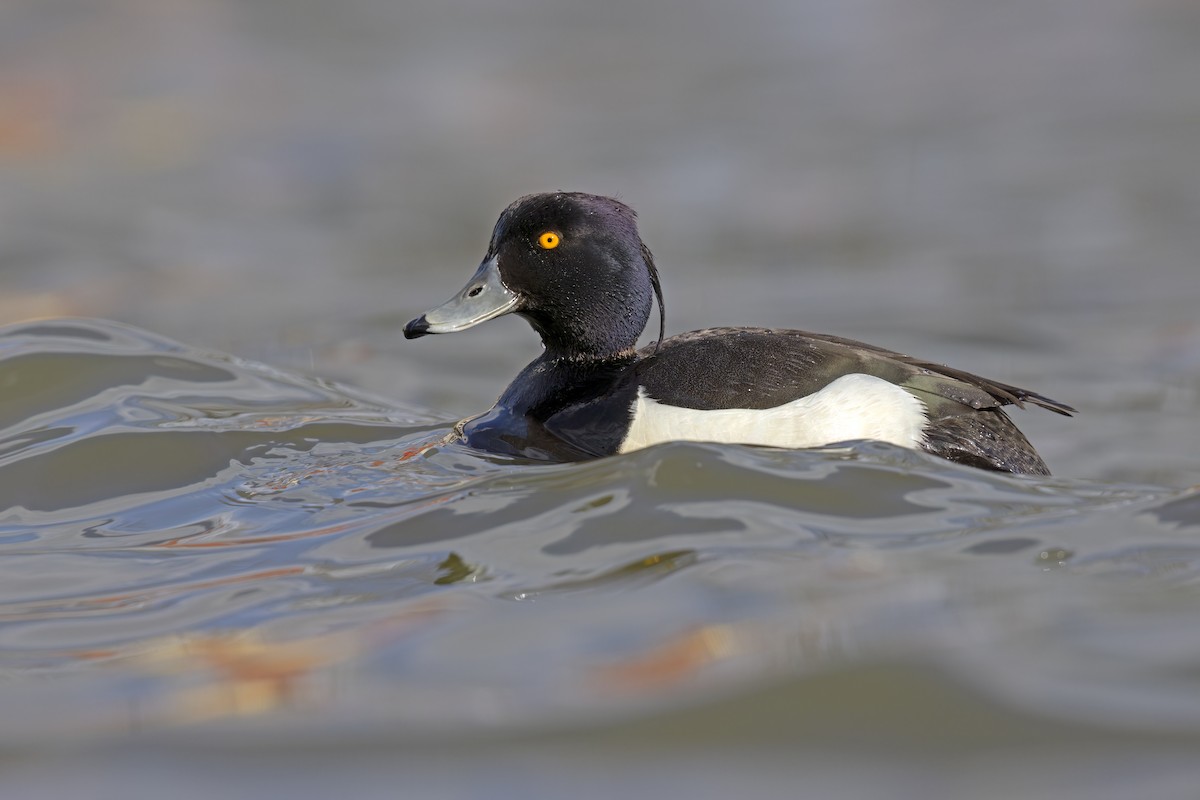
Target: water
203,554
224,578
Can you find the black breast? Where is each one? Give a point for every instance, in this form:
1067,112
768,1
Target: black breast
560,409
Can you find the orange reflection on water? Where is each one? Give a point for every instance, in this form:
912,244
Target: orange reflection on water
675,660
245,673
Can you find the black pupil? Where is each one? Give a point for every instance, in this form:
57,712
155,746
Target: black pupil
475,291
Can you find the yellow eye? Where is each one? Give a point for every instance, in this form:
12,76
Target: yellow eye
548,240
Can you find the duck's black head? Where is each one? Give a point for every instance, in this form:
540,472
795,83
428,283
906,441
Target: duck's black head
572,264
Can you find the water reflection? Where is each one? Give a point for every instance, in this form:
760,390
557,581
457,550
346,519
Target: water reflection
196,538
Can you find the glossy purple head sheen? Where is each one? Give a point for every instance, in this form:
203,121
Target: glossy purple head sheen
591,294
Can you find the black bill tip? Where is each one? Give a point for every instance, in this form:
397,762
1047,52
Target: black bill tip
416,328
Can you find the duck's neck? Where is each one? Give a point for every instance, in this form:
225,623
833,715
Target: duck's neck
591,325
555,380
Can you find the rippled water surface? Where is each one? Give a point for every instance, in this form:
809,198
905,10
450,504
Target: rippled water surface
225,579
203,550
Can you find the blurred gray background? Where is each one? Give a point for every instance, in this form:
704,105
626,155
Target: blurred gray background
1010,187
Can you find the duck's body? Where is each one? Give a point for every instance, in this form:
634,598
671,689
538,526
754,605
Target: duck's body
574,265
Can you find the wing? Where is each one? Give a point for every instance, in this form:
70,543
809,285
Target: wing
763,368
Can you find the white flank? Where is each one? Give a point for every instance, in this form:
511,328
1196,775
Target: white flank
852,407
